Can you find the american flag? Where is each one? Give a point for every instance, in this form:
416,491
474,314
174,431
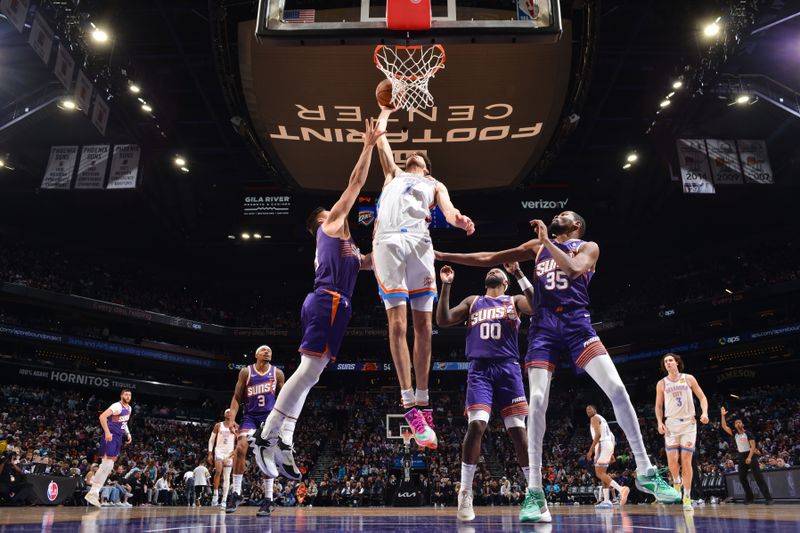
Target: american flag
299,15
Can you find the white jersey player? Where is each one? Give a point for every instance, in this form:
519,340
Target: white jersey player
675,401
221,446
602,449
403,258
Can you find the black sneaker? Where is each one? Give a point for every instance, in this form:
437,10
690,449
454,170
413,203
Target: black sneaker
233,502
284,460
769,502
266,508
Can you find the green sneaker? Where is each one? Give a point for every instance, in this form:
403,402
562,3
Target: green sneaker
654,484
534,508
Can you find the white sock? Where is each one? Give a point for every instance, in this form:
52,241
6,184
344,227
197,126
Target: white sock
408,398
467,474
539,385
605,374
616,485
226,483
237,484
287,430
268,483
421,397
294,392
606,494
99,478
526,471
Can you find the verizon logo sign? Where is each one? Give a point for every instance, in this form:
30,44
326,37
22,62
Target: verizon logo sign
545,204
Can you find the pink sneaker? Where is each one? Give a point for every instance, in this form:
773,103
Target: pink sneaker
423,433
428,414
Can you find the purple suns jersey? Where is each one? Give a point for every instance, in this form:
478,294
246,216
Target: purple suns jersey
336,263
552,287
118,421
260,391
492,329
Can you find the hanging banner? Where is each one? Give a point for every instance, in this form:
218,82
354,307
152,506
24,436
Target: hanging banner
725,165
100,114
65,66
755,162
83,92
60,167
41,38
124,167
16,11
92,166
695,171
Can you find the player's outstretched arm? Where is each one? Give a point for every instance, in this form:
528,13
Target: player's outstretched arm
390,169
725,428
660,406
523,252
104,422
238,392
453,215
358,177
445,316
573,267
280,379
212,440
701,397
523,302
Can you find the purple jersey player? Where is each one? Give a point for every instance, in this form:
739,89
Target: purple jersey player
324,316
561,326
114,422
256,389
494,375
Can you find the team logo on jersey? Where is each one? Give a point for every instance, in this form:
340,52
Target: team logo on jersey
52,491
428,281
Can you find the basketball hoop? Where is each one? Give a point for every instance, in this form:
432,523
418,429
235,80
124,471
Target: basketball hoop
409,69
407,436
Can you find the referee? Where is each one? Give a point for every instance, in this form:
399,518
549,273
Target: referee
746,446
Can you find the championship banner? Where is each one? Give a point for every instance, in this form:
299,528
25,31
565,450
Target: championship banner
725,165
755,162
16,11
60,167
695,170
65,66
100,114
92,166
83,92
124,167
41,38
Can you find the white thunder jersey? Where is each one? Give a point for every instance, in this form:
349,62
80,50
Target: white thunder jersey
678,398
225,441
405,205
605,431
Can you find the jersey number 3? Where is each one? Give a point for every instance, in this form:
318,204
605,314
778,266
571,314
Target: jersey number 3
490,331
556,280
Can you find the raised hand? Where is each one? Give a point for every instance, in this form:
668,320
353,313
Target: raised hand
446,274
511,268
541,229
372,132
465,223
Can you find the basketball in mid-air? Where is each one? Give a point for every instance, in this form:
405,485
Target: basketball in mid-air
384,93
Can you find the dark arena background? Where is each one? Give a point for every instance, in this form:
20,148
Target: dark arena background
158,163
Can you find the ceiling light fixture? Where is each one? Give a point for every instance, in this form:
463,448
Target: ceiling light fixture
677,85
179,161
147,108
664,103
134,88
99,36
712,30
245,236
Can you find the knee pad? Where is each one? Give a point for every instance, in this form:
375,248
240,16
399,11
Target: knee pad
515,421
423,303
477,415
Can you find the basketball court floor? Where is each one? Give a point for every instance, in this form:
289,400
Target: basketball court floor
642,518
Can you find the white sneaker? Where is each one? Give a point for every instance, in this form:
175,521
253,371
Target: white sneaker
465,511
126,504
605,504
93,499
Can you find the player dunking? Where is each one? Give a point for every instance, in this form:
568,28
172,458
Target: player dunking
325,314
561,325
602,450
494,371
256,387
221,446
403,265
114,422
674,400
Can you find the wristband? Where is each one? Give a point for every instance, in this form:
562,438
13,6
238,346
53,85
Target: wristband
524,284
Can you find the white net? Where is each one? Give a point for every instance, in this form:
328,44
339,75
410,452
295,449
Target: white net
410,68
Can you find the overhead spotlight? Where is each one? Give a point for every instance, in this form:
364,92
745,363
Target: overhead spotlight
185,170
67,105
245,236
780,100
677,85
267,236
734,396
670,95
664,103
626,166
729,291
712,30
632,157
743,99
147,108
135,89
232,237
179,161
99,36
2,163
256,235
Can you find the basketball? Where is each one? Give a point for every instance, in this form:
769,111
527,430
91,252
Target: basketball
384,93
